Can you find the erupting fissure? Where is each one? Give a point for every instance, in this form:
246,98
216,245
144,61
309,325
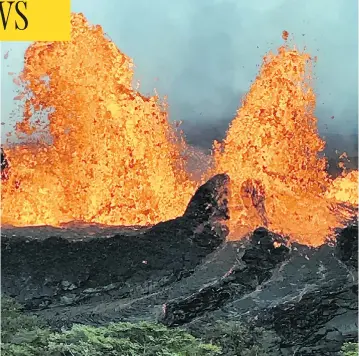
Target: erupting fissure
115,159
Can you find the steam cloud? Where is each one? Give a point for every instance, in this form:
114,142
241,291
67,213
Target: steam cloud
204,54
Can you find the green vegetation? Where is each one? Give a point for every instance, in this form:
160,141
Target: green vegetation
350,349
24,335
235,339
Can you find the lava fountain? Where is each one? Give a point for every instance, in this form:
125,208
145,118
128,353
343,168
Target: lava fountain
272,149
115,159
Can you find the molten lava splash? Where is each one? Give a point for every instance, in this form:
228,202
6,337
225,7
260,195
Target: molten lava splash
114,158
345,188
271,150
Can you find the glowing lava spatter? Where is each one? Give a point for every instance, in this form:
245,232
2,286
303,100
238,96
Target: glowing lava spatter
345,188
114,158
274,141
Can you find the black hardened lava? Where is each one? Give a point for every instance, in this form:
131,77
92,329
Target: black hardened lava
347,246
260,258
45,271
4,165
323,315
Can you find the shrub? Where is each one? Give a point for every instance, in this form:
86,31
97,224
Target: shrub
24,335
235,339
350,349
21,334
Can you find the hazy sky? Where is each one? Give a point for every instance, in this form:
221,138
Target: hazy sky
204,54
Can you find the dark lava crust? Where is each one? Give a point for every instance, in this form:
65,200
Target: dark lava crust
182,272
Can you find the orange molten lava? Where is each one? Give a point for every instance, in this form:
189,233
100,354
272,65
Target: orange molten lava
345,188
114,158
274,141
